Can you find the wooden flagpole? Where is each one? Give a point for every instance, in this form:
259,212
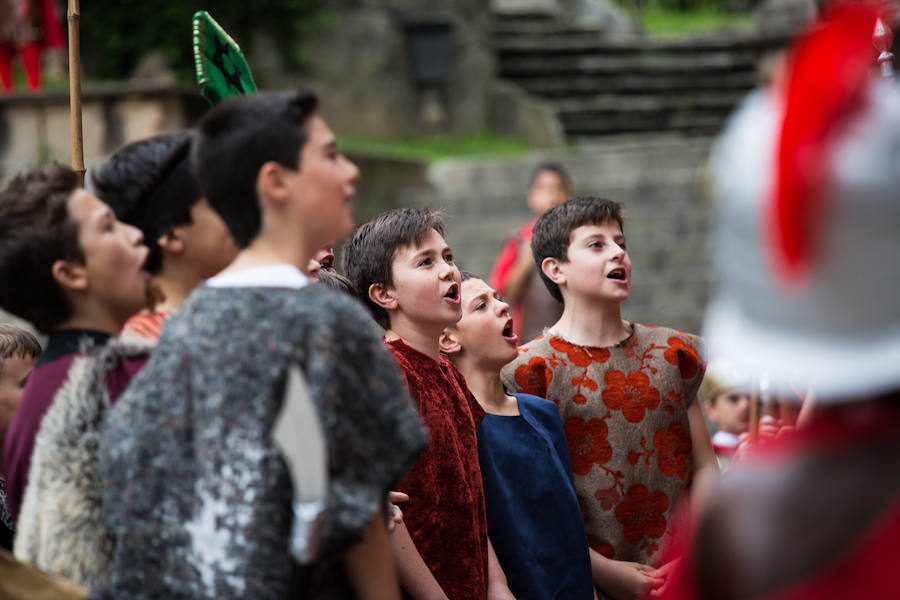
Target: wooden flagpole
74,16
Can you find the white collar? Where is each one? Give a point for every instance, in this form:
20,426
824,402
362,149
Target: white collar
281,275
725,439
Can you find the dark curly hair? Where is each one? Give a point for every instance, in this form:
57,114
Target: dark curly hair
36,231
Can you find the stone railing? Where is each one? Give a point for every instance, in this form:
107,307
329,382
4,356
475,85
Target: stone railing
35,128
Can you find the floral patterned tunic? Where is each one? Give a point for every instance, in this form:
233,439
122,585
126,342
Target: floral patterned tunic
624,410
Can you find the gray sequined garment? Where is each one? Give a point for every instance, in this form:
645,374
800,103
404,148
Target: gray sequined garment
195,493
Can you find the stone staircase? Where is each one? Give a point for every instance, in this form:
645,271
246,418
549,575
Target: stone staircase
602,84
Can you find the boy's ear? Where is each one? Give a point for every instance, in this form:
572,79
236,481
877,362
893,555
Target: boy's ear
709,409
271,183
171,241
449,341
383,296
70,275
552,268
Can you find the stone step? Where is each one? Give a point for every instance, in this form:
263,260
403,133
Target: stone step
590,42
578,85
697,124
514,67
545,35
722,101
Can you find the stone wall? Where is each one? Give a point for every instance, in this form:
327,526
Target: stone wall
360,63
656,178
35,129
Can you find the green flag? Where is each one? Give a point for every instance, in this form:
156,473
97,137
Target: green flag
222,71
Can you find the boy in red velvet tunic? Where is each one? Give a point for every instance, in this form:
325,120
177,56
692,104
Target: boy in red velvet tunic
626,393
401,266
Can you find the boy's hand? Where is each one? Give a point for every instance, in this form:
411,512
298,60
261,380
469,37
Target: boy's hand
395,515
663,572
629,580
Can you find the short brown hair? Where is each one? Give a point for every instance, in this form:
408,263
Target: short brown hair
369,254
36,231
335,281
553,230
15,341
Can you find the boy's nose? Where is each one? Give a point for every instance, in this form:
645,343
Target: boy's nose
502,308
135,235
447,269
354,171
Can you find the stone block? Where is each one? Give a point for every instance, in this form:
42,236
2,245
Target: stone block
21,137
526,7
140,118
513,111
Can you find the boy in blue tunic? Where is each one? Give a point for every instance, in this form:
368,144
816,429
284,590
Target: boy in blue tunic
533,516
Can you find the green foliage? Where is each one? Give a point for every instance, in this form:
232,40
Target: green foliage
434,147
115,34
669,23
677,5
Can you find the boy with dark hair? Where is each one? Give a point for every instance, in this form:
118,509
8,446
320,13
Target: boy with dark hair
403,269
524,459
149,184
200,416
515,275
18,352
74,272
626,393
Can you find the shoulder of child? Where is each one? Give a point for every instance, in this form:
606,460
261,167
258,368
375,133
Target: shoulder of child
537,405
525,372
686,350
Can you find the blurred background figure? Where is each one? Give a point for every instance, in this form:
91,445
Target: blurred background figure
726,403
27,28
808,174
515,275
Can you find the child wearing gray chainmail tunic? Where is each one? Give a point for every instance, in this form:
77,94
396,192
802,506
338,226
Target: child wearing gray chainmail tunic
197,494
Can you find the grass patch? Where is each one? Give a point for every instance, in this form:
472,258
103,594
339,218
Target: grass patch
667,23
434,147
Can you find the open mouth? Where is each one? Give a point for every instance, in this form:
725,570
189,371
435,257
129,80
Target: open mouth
617,273
453,293
508,333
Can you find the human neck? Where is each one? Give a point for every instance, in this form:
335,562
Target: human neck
264,252
94,319
175,288
426,342
596,324
486,385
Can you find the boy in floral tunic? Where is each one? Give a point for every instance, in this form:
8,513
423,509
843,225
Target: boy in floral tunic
626,393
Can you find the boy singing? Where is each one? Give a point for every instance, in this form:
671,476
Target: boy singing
532,512
626,393
401,266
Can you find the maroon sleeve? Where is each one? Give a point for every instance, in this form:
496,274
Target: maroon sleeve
43,383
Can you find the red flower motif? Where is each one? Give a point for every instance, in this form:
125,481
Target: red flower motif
684,355
608,497
632,395
641,514
579,399
585,381
629,346
587,444
673,449
601,547
534,377
578,355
